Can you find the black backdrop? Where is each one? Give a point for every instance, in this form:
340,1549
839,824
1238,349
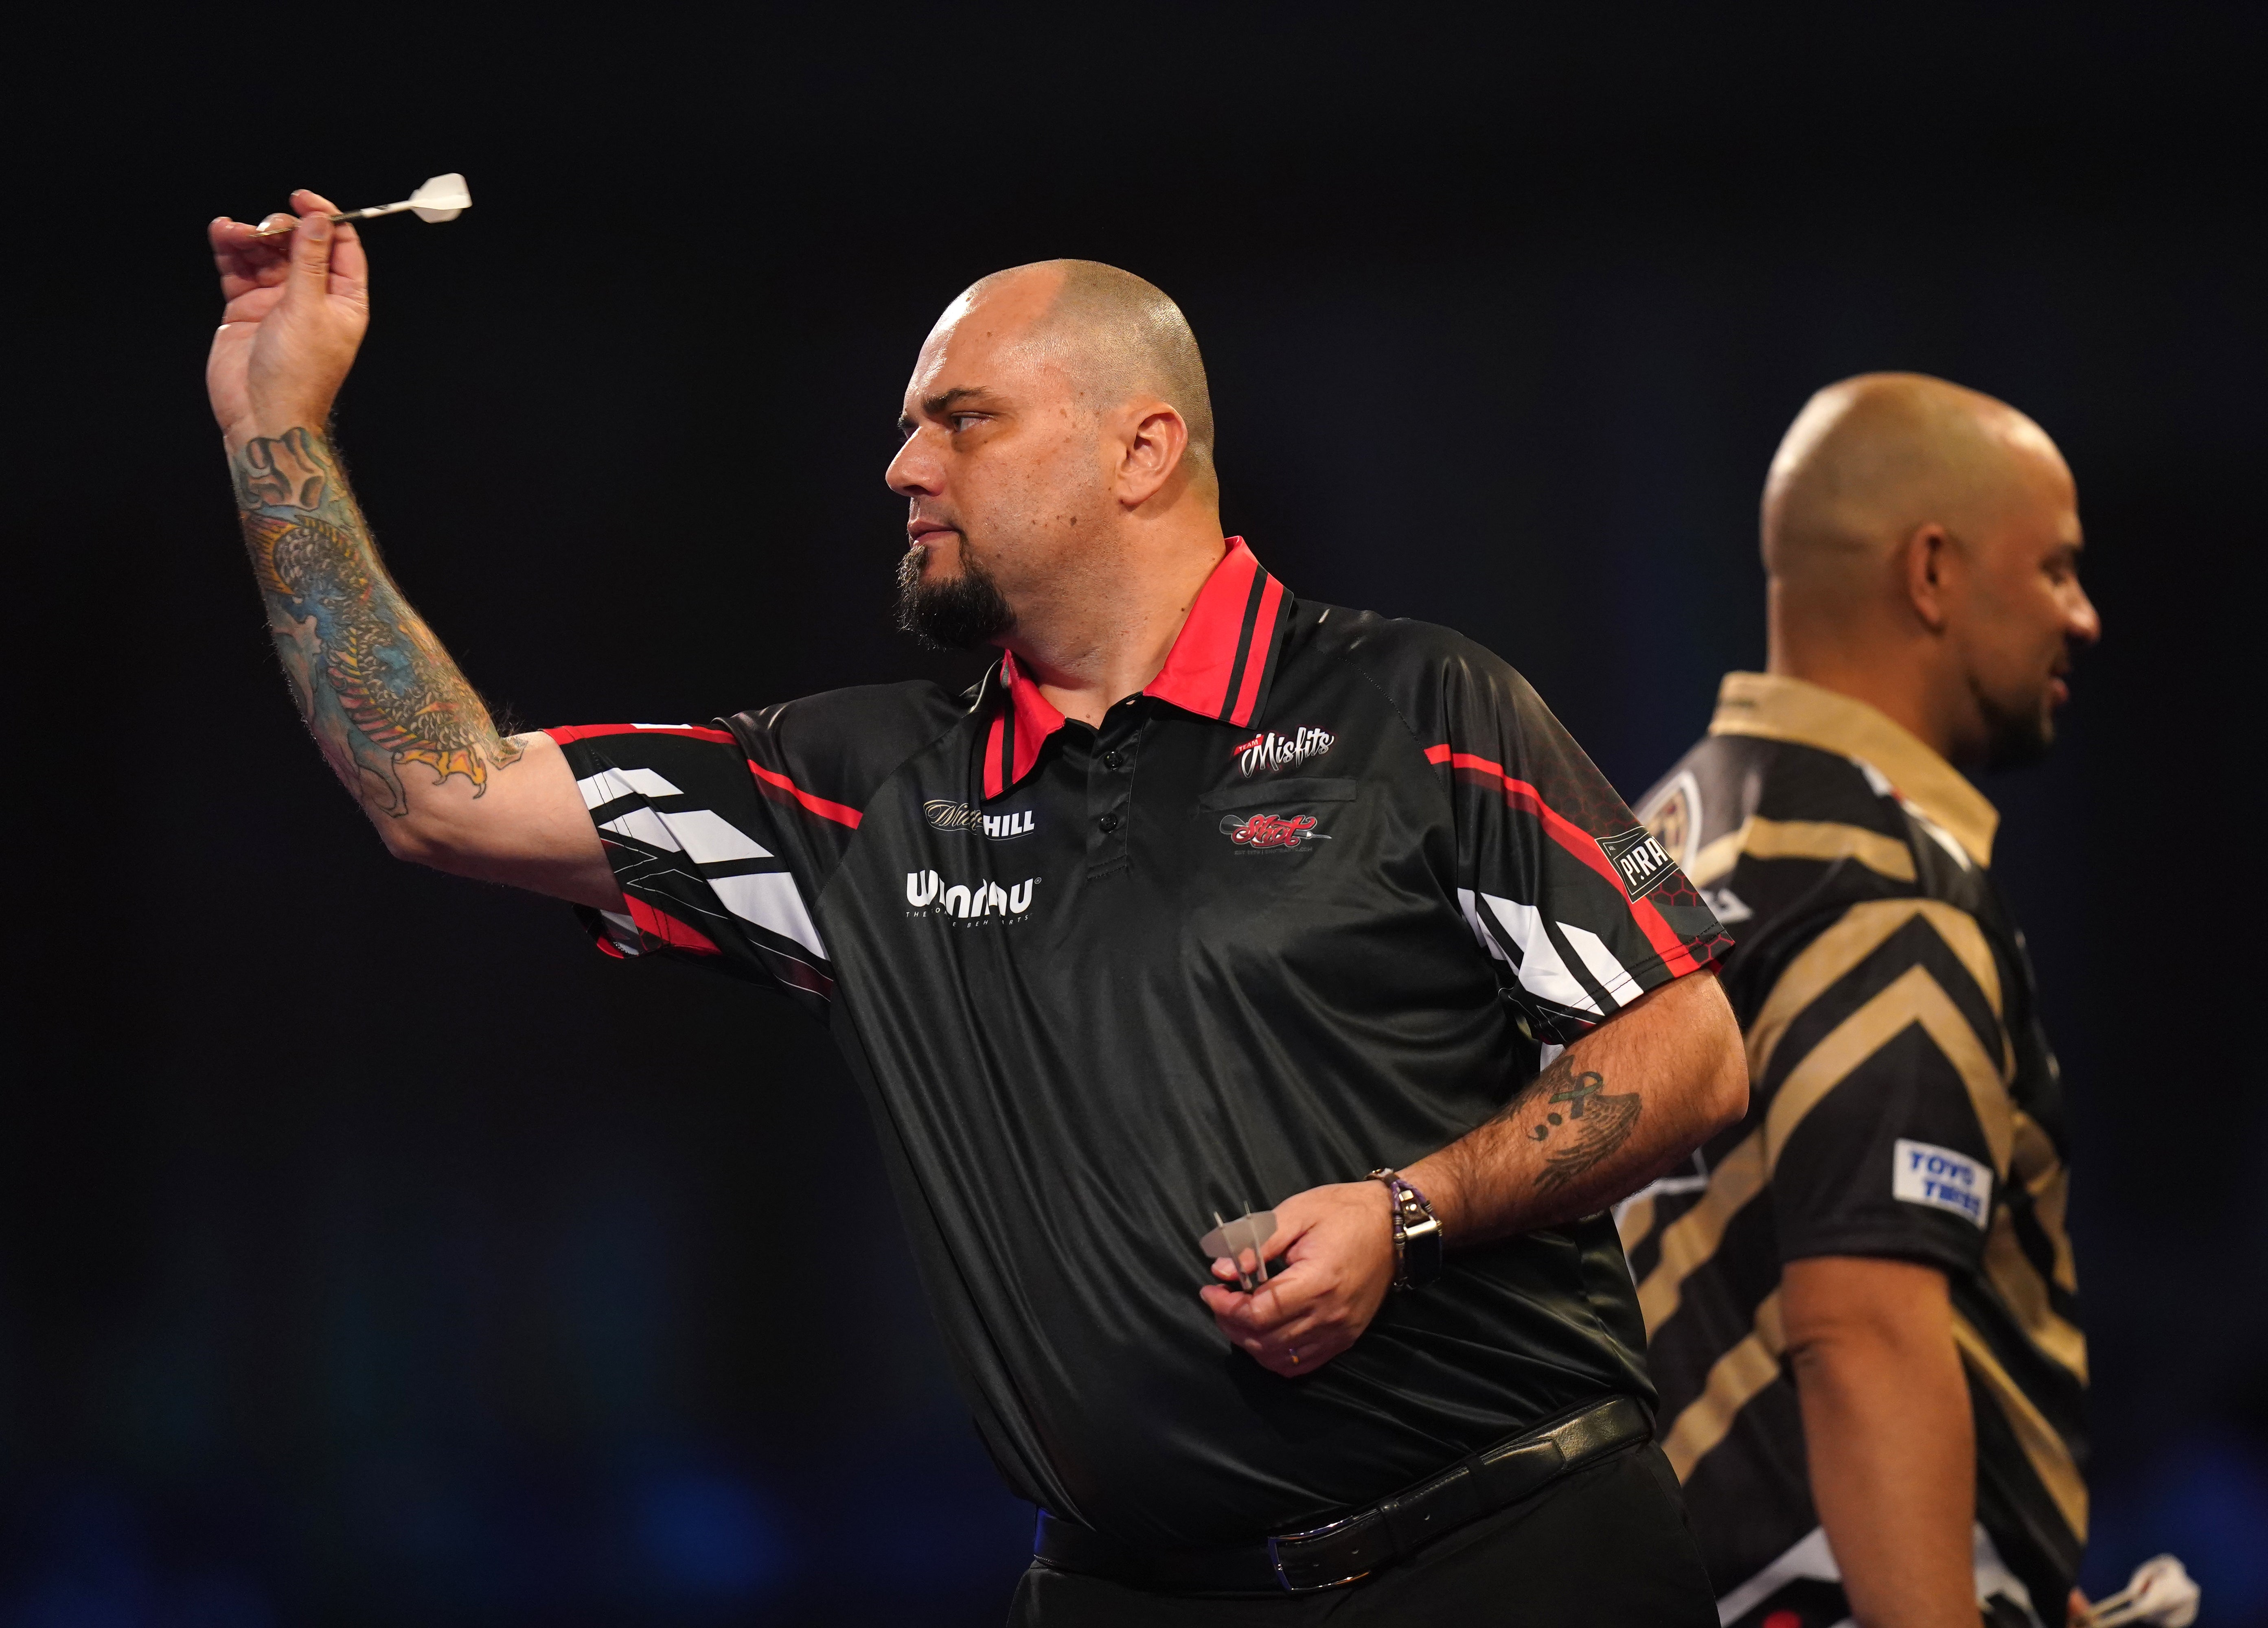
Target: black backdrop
371,1250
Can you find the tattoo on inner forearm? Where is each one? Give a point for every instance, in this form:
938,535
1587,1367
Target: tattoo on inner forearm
1591,1127
371,682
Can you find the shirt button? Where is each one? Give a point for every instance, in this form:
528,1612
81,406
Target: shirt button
1111,760
1109,822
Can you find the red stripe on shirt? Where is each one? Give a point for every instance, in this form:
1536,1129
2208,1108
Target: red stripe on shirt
841,813
1197,669
995,782
1256,660
564,733
668,928
1583,846
1037,719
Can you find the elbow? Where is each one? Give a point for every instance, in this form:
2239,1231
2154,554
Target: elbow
412,840
1727,1097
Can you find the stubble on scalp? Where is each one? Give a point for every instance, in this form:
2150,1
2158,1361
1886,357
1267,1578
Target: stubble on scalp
1869,461
1120,337
1872,459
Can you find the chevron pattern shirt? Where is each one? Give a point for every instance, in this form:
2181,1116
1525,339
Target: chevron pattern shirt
1903,1103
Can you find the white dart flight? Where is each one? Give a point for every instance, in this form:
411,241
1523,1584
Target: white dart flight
1240,1240
2161,1593
443,198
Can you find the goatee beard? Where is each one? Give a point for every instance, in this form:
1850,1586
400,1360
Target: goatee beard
958,613
2013,737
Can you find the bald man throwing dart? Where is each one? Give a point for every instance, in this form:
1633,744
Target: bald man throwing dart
1205,898
1860,1300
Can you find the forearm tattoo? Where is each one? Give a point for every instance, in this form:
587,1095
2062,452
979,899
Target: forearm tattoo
1580,1125
372,684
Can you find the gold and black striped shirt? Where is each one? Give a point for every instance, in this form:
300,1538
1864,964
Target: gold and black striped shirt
1903,1103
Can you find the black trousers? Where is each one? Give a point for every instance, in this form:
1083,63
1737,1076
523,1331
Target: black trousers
1606,1547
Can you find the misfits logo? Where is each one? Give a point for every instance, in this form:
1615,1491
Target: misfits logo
1267,752
973,901
1272,831
959,817
1639,859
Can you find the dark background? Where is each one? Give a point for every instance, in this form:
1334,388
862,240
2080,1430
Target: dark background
371,1252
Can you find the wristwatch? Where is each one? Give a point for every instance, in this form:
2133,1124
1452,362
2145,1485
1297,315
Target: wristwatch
1417,1233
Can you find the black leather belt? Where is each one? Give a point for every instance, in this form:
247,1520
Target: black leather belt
1349,1549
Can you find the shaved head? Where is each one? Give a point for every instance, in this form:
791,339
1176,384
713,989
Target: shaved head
1119,336
1922,544
1057,465
1872,459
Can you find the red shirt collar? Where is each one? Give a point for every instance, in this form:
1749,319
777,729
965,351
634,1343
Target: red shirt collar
1219,667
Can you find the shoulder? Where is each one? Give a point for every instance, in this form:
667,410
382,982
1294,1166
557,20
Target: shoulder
1395,645
1791,845
917,711
1426,670
1726,782
842,745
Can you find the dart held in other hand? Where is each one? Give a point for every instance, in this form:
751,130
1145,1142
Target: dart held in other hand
443,198
1240,1243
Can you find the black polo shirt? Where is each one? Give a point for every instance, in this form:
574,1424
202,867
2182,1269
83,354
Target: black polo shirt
1308,904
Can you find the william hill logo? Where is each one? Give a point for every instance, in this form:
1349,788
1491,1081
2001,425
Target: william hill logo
944,816
1639,859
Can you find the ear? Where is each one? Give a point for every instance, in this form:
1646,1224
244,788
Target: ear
1927,564
1151,452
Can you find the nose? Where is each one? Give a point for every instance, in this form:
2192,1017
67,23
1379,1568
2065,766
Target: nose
915,472
2083,624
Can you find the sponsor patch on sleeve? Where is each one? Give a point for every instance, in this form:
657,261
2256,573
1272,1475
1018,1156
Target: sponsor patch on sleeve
1943,1179
1639,859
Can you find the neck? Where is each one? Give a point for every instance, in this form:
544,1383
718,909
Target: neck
1902,683
1107,630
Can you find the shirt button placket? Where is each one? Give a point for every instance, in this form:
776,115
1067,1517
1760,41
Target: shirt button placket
1109,797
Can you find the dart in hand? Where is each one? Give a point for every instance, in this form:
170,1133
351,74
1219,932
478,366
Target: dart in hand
1239,1243
443,198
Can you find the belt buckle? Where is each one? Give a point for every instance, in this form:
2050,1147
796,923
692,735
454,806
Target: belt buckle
1276,1558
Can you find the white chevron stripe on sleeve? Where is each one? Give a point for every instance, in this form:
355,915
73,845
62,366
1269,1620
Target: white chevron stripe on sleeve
606,785
1480,928
1542,972
769,900
647,826
1612,975
647,782
710,838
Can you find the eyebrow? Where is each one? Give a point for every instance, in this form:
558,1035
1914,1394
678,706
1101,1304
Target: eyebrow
939,405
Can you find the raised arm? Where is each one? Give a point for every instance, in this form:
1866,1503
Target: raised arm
1621,1105
397,722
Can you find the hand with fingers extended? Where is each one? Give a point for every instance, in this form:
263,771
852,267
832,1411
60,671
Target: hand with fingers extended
1336,1244
297,305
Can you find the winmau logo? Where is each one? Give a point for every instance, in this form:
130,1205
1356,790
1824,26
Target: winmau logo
973,902
1270,751
959,817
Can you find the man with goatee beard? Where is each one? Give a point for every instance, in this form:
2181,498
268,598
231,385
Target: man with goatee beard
1860,1299
1206,899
